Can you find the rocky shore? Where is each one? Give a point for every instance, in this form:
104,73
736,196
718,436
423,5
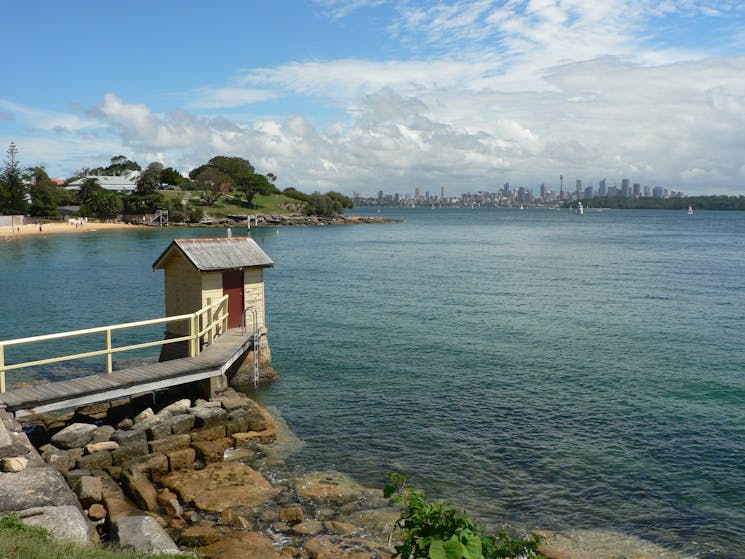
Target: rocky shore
204,476
279,220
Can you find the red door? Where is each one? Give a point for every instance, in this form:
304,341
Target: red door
232,286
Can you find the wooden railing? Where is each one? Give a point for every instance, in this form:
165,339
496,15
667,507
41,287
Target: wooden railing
204,326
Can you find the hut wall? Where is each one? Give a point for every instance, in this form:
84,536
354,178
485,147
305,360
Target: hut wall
211,287
253,292
183,293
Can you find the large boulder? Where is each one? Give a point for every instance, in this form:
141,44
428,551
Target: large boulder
333,547
76,435
144,534
34,487
63,523
220,486
240,545
599,544
332,488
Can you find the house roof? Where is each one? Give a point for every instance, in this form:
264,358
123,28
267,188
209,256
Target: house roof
225,253
124,184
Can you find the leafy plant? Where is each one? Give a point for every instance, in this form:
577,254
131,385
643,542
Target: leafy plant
435,530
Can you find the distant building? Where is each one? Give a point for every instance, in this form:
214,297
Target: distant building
637,191
659,192
626,188
589,192
647,192
602,189
123,184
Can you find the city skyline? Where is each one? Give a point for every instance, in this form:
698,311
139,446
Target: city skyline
347,95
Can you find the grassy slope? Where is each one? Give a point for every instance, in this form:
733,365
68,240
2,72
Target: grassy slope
18,541
273,204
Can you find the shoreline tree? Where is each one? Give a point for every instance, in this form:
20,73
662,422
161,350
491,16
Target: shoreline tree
13,190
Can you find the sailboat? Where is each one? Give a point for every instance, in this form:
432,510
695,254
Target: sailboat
690,209
580,209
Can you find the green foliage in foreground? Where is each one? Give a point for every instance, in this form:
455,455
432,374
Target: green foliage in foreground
434,530
18,541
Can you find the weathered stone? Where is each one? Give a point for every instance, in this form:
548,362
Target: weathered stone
125,424
140,490
103,433
73,476
231,517
292,515
241,454
89,490
308,528
95,461
197,536
61,461
14,464
125,453
211,451
155,427
220,486
236,402
180,424
329,487
236,426
144,534
181,459
97,512
115,501
378,522
206,416
266,436
74,436
341,528
172,442
127,438
74,453
178,407
34,487
152,465
64,523
93,411
210,433
600,544
334,547
90,448
240,545
143,415
114,471
170,503
200,403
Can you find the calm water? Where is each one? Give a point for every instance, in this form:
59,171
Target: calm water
536,367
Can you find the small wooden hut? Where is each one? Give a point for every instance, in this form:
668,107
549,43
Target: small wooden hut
199,271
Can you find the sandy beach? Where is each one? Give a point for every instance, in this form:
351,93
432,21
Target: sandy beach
58,228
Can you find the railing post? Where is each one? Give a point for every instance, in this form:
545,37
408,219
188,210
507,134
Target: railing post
194,341
109,366
2,368
211,329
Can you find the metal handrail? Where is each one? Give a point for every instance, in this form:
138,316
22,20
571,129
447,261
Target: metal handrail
217,324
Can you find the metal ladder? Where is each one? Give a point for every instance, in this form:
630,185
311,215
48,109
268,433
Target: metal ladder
256,340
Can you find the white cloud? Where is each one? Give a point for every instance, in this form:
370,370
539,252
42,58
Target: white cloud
227,97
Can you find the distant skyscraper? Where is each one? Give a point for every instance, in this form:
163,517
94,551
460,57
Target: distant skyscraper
646,191
603,189
625,188
637,191
579,188
506,189
543,190
658,192
589,192
380,196
442,193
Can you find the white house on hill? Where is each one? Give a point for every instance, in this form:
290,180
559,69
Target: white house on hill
124,184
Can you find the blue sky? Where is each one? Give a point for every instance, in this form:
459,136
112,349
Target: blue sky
364,95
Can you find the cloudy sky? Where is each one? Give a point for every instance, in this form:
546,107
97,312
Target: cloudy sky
364,95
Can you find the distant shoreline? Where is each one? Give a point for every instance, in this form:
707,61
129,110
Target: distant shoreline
8,232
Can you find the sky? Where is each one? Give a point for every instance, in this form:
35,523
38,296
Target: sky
369,95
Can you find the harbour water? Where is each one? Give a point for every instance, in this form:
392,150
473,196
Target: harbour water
536,367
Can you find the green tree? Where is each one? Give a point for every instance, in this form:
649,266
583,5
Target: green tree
88,191
13,190
106,204
46,195
169,175
149,180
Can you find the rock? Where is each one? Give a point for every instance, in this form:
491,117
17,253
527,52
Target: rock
97,512
103,433
211,451
154,466
93,411
292,515
170,503
15,464
125,424
126,453
143,534
62,522
143,415
207,416
333,547
220,486
240,545
34,487
211,433
95,461
266,436
378,522
341,528
155,427
116,502
598,544
231,517
102,446
180,424
197,536
308,528
74,436
89,490
330,487
61,461
178,407
140,490
181,459
130,437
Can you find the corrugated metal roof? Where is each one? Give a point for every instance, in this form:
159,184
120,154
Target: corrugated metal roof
219,254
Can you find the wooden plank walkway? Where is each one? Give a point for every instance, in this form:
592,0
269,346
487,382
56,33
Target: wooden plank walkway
211,362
